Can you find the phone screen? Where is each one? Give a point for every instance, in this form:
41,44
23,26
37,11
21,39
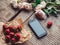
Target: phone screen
37,28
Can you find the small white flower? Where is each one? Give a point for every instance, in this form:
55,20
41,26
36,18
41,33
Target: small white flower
28,6
41,5
20,6
14,3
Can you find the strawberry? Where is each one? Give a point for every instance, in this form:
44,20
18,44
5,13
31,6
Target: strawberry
17,36
11,28
19,28
11,34
8,37
7,31
13,39
4,27
15,29
49,24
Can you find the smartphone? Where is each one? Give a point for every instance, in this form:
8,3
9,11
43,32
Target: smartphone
37,28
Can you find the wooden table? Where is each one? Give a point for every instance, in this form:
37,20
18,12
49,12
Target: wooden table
53,36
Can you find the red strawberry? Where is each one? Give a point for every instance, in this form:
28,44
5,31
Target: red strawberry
11,28
49,24
8,37
4,27
19,28
15,29
7,31
11,34
13,39
17,36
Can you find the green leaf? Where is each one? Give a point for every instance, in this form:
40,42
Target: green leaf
55,13
38,1
58,2
34,5
51,3
46,11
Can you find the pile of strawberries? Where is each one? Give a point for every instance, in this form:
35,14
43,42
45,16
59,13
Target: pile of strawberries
12,33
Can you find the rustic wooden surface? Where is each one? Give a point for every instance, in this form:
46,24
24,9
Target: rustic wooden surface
53,36
5,10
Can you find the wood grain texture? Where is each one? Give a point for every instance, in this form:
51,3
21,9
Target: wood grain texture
6,10
53,36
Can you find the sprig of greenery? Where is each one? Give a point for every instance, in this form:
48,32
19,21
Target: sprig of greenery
51,7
